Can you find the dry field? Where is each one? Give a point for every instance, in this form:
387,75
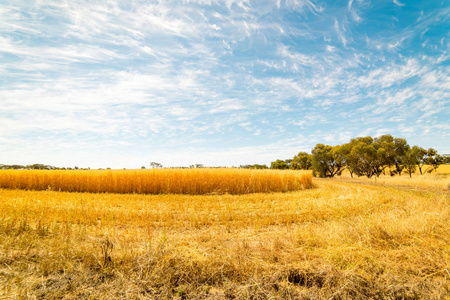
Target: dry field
439,179
344,239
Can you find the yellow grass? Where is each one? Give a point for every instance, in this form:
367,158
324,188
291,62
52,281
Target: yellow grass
344,239
439,179
160,181
444,169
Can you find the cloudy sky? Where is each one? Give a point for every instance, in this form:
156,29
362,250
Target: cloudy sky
111,83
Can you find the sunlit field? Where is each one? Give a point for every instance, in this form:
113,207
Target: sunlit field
159,181
444,169
343,239
435,179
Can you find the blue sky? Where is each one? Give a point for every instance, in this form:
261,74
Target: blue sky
120,84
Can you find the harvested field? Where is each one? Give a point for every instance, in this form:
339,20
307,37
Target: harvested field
340,240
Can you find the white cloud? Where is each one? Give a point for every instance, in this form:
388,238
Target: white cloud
340,33
331,48
349,5
72,53
355,16
296,57
227,106
301,4
392,74
150,79
396,2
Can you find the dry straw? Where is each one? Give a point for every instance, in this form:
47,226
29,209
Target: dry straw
160,181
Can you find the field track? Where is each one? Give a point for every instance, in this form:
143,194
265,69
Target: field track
344,239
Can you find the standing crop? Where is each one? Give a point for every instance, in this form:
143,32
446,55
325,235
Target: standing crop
158,181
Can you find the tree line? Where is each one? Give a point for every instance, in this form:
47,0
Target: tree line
37,167
365,156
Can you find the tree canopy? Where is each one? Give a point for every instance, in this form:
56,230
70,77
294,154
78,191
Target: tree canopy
365,156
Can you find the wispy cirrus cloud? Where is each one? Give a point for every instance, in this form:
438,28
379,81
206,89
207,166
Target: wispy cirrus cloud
398,3
340,31
231,82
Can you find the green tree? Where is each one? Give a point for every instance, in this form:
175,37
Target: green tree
302,161
348,160
421,157
363,156
432,159
325,162
400,149
155,165
366,156
279,164
259,167
393,153
411,159
386,142
446,159
288,163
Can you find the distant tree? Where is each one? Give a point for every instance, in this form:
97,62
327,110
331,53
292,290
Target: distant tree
143,167
344,156
436,161
155,165
446,158
255,166
367,156
37,167
411,159
279,164
400,149
302,161
363,157
432,159
198,166
392,153
14,167
325,162
386,147
420,155
288,163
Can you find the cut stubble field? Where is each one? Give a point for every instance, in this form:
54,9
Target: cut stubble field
343,239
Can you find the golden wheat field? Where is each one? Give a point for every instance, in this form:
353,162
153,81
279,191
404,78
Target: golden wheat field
158,181
343,239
